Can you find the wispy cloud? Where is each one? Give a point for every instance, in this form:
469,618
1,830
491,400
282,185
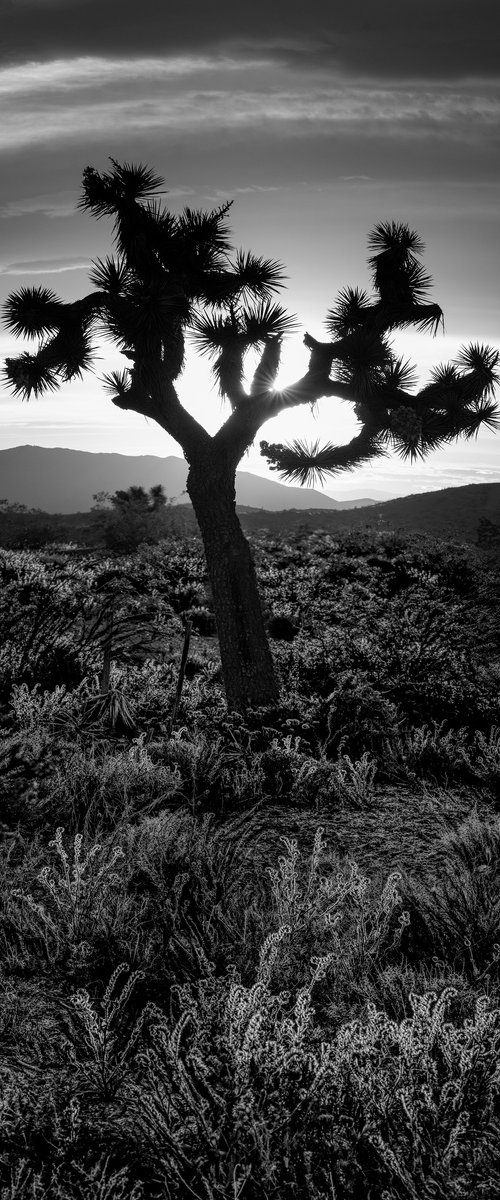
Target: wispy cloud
53,103
256,187
57,205
45,266
79,74
387,40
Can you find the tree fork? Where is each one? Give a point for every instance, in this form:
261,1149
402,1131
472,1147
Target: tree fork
247,665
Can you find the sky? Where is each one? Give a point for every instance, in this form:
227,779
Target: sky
318,121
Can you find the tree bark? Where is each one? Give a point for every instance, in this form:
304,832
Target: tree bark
247,665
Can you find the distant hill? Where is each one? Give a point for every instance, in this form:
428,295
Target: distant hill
64,481
452,513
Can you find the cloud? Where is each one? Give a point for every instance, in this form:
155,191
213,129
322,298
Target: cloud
63,75
385,40
94,99
45,266
60,204
255,187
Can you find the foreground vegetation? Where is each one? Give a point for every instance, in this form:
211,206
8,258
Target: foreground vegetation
251,958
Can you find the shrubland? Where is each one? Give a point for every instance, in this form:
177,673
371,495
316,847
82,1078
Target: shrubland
255,955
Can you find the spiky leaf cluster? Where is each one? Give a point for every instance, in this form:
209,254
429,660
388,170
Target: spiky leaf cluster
168,268
366,358
32,312
401,287
28,375
350,313
112,276
456,402
307,464
127,183
226,339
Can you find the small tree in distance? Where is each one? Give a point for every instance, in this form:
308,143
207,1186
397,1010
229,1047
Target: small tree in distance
177,275
132,516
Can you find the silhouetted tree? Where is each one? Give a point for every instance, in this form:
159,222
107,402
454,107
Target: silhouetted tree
131,516
178,274
137,500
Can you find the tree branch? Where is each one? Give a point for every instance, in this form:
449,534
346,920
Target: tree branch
151,393
242,426
307,464
252,411
175,420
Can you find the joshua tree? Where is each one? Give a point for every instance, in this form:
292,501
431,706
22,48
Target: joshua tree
176,278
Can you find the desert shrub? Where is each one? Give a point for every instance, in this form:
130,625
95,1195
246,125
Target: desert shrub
37,608
291,774
339,915
135,517
213,773
445,755
353,780
187,595
296,717
241,1091
69,909
52,1146
62,619
202,620
321,783
188,875
280,763
458,568
426,1092
248,736
96,786
421,651
309,664
484,758
125,533
150,687
359,715
93,1178
429,752
25,766
281,627
102,1040
35,712
455,911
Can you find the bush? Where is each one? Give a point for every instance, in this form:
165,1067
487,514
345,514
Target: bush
359,716
74,903
241,1089
455,914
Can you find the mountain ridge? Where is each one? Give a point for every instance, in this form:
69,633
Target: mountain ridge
453,512
58,480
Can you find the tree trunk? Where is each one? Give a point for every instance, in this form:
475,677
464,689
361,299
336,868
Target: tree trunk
247,664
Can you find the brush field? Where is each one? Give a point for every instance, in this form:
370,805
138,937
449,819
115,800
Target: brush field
251,958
